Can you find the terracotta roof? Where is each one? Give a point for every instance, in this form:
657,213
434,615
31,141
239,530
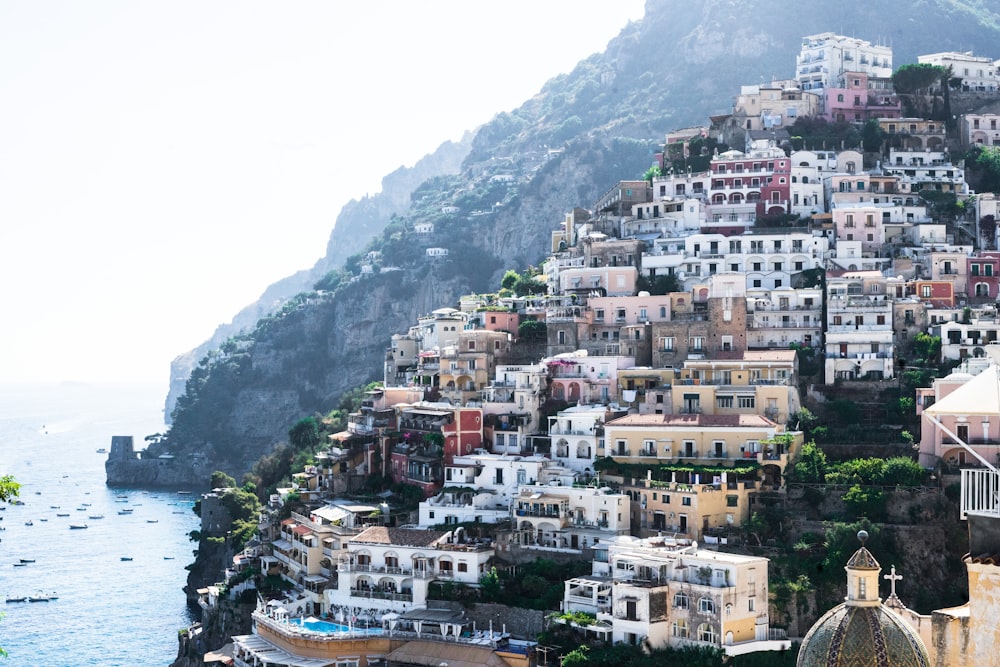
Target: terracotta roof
409,537
287,522
727,421
301,530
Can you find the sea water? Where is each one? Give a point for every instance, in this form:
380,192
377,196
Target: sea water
108,611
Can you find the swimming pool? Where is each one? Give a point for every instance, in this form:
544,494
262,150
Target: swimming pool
328,628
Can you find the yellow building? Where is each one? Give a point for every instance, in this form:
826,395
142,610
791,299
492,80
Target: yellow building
692,473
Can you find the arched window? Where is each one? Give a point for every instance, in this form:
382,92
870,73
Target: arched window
707,633
982,289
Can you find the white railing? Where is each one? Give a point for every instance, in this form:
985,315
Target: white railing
980,492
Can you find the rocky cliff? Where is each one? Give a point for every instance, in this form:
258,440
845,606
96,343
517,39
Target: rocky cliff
563,148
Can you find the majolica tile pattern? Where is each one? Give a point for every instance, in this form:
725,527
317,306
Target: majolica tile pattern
848,636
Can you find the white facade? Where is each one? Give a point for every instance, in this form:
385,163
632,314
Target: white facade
390,569
670,593
573,436
824,58
565,518
511,405
668,216
780,317
859,336
480,487
977,73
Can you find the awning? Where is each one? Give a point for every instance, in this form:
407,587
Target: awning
432,615
223,655
456,655
980,396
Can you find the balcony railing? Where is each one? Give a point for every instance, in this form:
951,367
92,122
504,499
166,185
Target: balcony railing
381,595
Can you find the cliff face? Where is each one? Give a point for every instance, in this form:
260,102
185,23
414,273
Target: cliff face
356,224
520,174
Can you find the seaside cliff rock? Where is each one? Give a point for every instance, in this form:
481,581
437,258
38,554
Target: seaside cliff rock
563,148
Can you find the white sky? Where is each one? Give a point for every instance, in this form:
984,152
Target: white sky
161,163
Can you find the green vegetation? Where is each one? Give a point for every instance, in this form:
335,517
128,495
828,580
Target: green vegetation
812,467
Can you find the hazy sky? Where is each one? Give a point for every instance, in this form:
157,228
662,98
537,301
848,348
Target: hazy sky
161,163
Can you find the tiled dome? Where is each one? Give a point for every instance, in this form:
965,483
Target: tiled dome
856,636
860,632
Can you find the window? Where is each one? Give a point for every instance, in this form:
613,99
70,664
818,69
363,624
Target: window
599,314
463,567
686,501
723,401
751,604
681,601
925,291
667,343
679,629
747,401
697,343
707,633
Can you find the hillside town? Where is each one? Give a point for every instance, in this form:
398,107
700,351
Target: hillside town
639,397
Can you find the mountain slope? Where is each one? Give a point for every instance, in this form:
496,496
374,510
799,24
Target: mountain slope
522,172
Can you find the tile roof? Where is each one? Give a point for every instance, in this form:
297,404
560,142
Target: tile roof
409,537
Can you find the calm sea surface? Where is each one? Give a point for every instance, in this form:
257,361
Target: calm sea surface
108,611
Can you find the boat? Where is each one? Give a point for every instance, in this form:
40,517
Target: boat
77,526
62,513
102,450
179,512
124,511
126,558
184,493
27,560
168,558
152,520
17,598
43,519
53,507
40,597
95,516
29,522
20,564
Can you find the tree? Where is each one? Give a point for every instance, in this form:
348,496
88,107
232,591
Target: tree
304,435
9,488
810,468
221,480
914,81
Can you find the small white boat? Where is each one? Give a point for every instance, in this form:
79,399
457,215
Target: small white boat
17,598
102,450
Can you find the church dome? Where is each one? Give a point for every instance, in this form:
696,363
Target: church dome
849,636
860,632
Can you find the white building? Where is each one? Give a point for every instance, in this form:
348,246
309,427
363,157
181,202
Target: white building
669,592
481,487
390,569
573,436
859,337
977,73
557,517
824,58
777,318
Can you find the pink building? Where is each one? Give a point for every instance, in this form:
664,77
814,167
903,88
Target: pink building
854,100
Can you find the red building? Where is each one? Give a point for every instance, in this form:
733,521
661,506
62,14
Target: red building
938,293
984,276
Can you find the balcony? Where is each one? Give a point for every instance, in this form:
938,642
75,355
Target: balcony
381,595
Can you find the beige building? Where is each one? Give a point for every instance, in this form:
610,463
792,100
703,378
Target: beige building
691,474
